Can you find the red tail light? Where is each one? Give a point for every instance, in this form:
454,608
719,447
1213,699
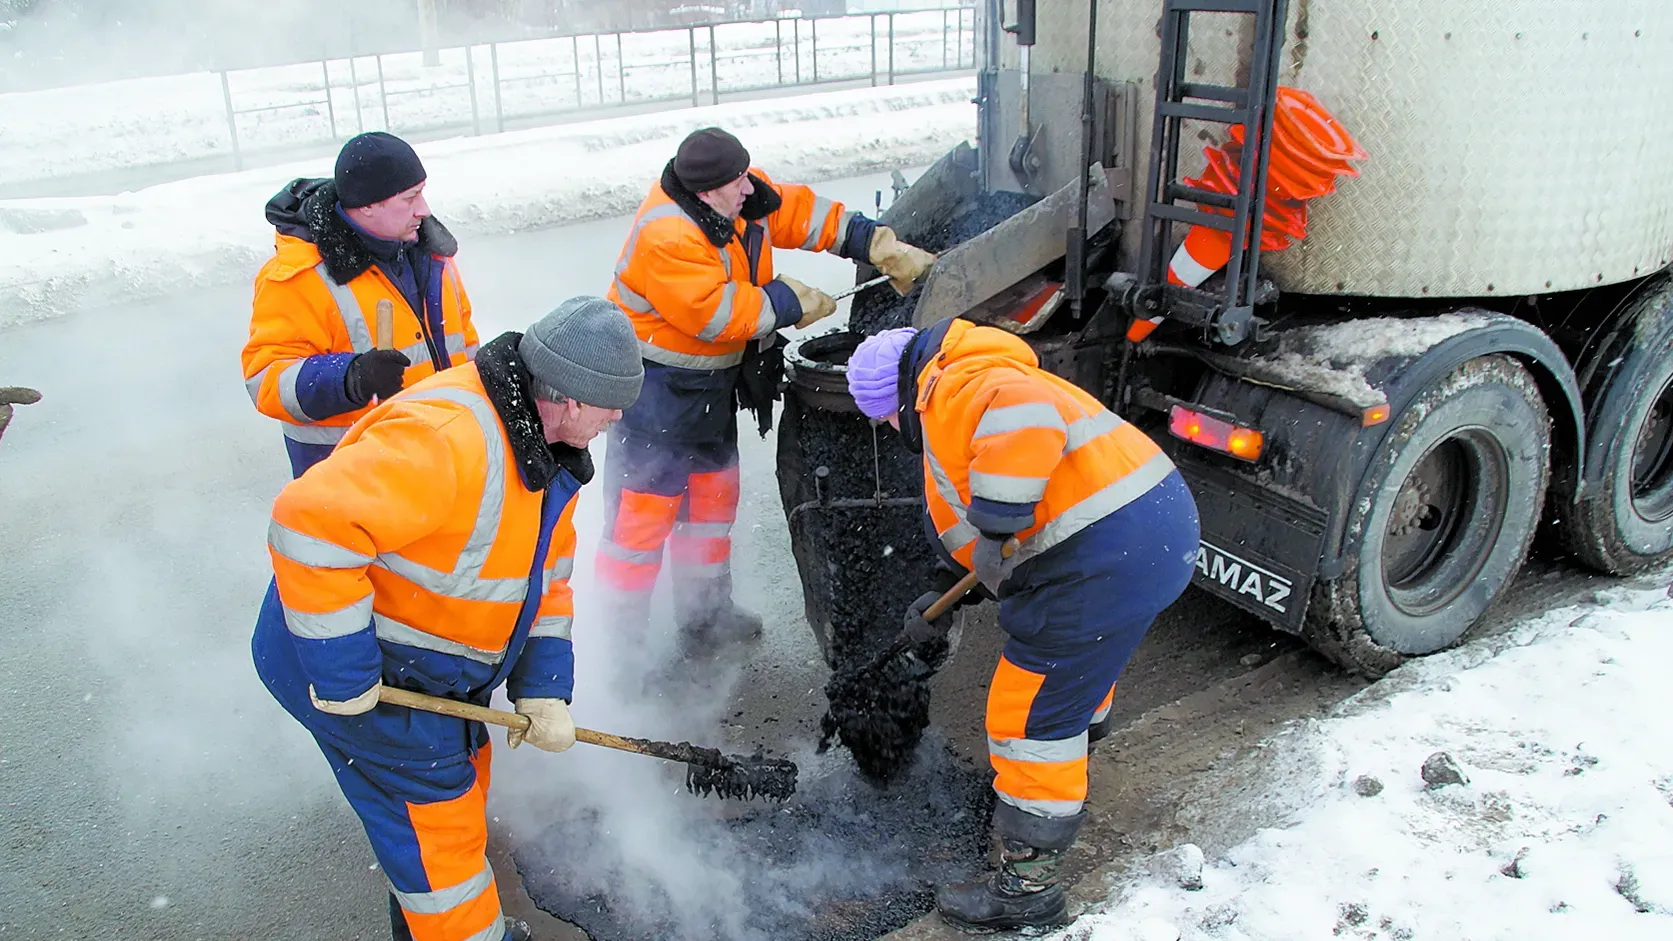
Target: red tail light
1216,434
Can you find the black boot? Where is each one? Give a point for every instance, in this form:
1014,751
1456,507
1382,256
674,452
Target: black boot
1025,892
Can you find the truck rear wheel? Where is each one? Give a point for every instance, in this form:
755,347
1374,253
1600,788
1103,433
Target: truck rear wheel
1443,519
1625,523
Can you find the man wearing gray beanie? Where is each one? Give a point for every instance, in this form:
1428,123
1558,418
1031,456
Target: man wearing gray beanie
417,556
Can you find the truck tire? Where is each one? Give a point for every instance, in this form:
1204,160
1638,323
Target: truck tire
1442,522
1625,523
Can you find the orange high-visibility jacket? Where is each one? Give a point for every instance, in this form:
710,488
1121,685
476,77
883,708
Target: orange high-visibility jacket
1012,449
409,552
300,315
695,303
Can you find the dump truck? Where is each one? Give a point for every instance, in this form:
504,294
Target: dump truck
1442,335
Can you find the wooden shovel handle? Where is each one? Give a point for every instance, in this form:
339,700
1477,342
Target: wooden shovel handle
386,328
510,720
963,587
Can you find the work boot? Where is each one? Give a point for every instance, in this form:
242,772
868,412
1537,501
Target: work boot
719,632
1024,893
1099,731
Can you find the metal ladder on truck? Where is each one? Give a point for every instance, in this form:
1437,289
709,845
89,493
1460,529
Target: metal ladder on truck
1227,318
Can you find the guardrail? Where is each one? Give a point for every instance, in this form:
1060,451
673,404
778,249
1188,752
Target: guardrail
491,87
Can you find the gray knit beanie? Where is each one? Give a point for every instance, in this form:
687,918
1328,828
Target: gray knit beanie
585,350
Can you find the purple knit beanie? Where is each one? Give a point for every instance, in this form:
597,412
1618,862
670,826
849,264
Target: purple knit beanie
874,372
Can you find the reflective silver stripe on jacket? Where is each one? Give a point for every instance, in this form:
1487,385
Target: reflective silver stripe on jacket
961,533
556,625
1071,521
816,225
630,298
311,550
395,632
330,624
1007,488
466,581
314,434
560,570
657,354
1084,431
445,900
722,315
1043,750
348,308
286,387
1094,508
1009,418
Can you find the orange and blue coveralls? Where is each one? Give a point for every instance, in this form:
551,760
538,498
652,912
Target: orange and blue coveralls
432,551
315,308
698,288
1107,533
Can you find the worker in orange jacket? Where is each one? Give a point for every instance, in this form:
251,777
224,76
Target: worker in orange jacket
432,551
1107,538
342,246
696,277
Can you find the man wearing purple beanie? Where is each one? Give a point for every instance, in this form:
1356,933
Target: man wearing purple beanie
1107,538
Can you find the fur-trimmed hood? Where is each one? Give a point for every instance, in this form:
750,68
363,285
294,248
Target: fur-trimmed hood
719,229
506,380
307,209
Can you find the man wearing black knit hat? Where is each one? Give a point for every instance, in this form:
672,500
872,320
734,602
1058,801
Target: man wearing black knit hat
319,353
696,278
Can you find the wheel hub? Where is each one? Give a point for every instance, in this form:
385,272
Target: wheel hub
1652,460
1443,522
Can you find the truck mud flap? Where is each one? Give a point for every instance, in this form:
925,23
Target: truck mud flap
1260,548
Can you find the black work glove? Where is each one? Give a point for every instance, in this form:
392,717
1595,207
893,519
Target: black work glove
919,630
377,372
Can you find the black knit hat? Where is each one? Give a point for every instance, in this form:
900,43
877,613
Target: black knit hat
709,158
374,166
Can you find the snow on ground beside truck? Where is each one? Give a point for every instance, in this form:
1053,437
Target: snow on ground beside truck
64,253
1561,829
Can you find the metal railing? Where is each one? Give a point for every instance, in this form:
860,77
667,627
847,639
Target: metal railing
490,87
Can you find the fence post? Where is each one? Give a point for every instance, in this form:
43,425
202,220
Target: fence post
778,48
714,66
575,57
815,27
232,122
470,80
621,71
944,35
354,79
598,60
874,50
494,66
691,41
796,37
891,48
383,92
330,106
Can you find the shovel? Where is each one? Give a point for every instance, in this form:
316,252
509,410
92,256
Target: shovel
729,777
880,709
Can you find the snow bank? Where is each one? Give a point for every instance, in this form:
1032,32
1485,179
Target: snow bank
1563,830
67,253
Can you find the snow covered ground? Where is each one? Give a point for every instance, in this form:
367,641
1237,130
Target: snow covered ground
140,122
67,252
1561,829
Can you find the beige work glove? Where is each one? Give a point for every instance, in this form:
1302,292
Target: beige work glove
816,304
349,707
903,263
550,726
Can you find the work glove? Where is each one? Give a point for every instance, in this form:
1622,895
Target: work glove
988,559
903,263
348,707
375,373
550,726
816,304
919,630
